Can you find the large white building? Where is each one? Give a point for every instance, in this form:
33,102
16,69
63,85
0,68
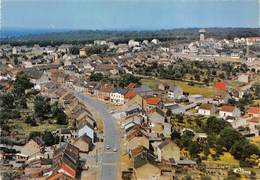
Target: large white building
117,96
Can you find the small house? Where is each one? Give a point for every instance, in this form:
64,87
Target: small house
174,92
229,111
206,109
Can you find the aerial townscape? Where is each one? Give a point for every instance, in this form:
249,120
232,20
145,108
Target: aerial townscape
129,89
145,109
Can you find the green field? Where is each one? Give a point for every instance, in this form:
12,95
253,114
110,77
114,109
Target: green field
205,91
26,128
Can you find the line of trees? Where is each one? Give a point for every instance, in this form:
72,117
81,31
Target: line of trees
199,71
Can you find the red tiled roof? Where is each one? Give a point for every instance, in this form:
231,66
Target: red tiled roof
137,150
69,170
59,176
153,100
253,110
206,106
227,108
220,86
130,94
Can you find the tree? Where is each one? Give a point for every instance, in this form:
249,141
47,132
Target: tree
206,150
222,76
175,135
194,148
168,113
21,83
206,81
186,140
212,140
179,117
61,117
34,134
74,50
98,49
228,136
30,120
9,175
215,125
244,149
197,77
49,139
15,60
257,90
126,79
58,113
41,106
7,101
96,77
214,72
188,177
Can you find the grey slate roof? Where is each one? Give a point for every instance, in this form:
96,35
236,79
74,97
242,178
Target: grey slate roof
119,90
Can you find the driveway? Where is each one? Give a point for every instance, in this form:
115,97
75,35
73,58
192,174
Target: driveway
109,160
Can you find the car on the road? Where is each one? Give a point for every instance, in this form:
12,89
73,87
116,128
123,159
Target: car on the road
115,149
112,111
107,147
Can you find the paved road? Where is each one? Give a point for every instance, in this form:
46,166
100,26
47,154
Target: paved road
109,163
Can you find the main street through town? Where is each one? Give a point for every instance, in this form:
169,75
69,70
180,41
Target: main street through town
109,160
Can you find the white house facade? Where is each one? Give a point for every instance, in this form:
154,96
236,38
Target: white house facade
231,111
117,96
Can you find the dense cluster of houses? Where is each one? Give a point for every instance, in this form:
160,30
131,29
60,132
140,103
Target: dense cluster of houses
147,129
61,160
142,111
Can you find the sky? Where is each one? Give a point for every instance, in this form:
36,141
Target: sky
128,14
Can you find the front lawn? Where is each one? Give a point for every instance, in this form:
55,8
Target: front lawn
27,128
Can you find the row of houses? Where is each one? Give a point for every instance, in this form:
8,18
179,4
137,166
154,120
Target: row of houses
249,121
78,138
225,111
